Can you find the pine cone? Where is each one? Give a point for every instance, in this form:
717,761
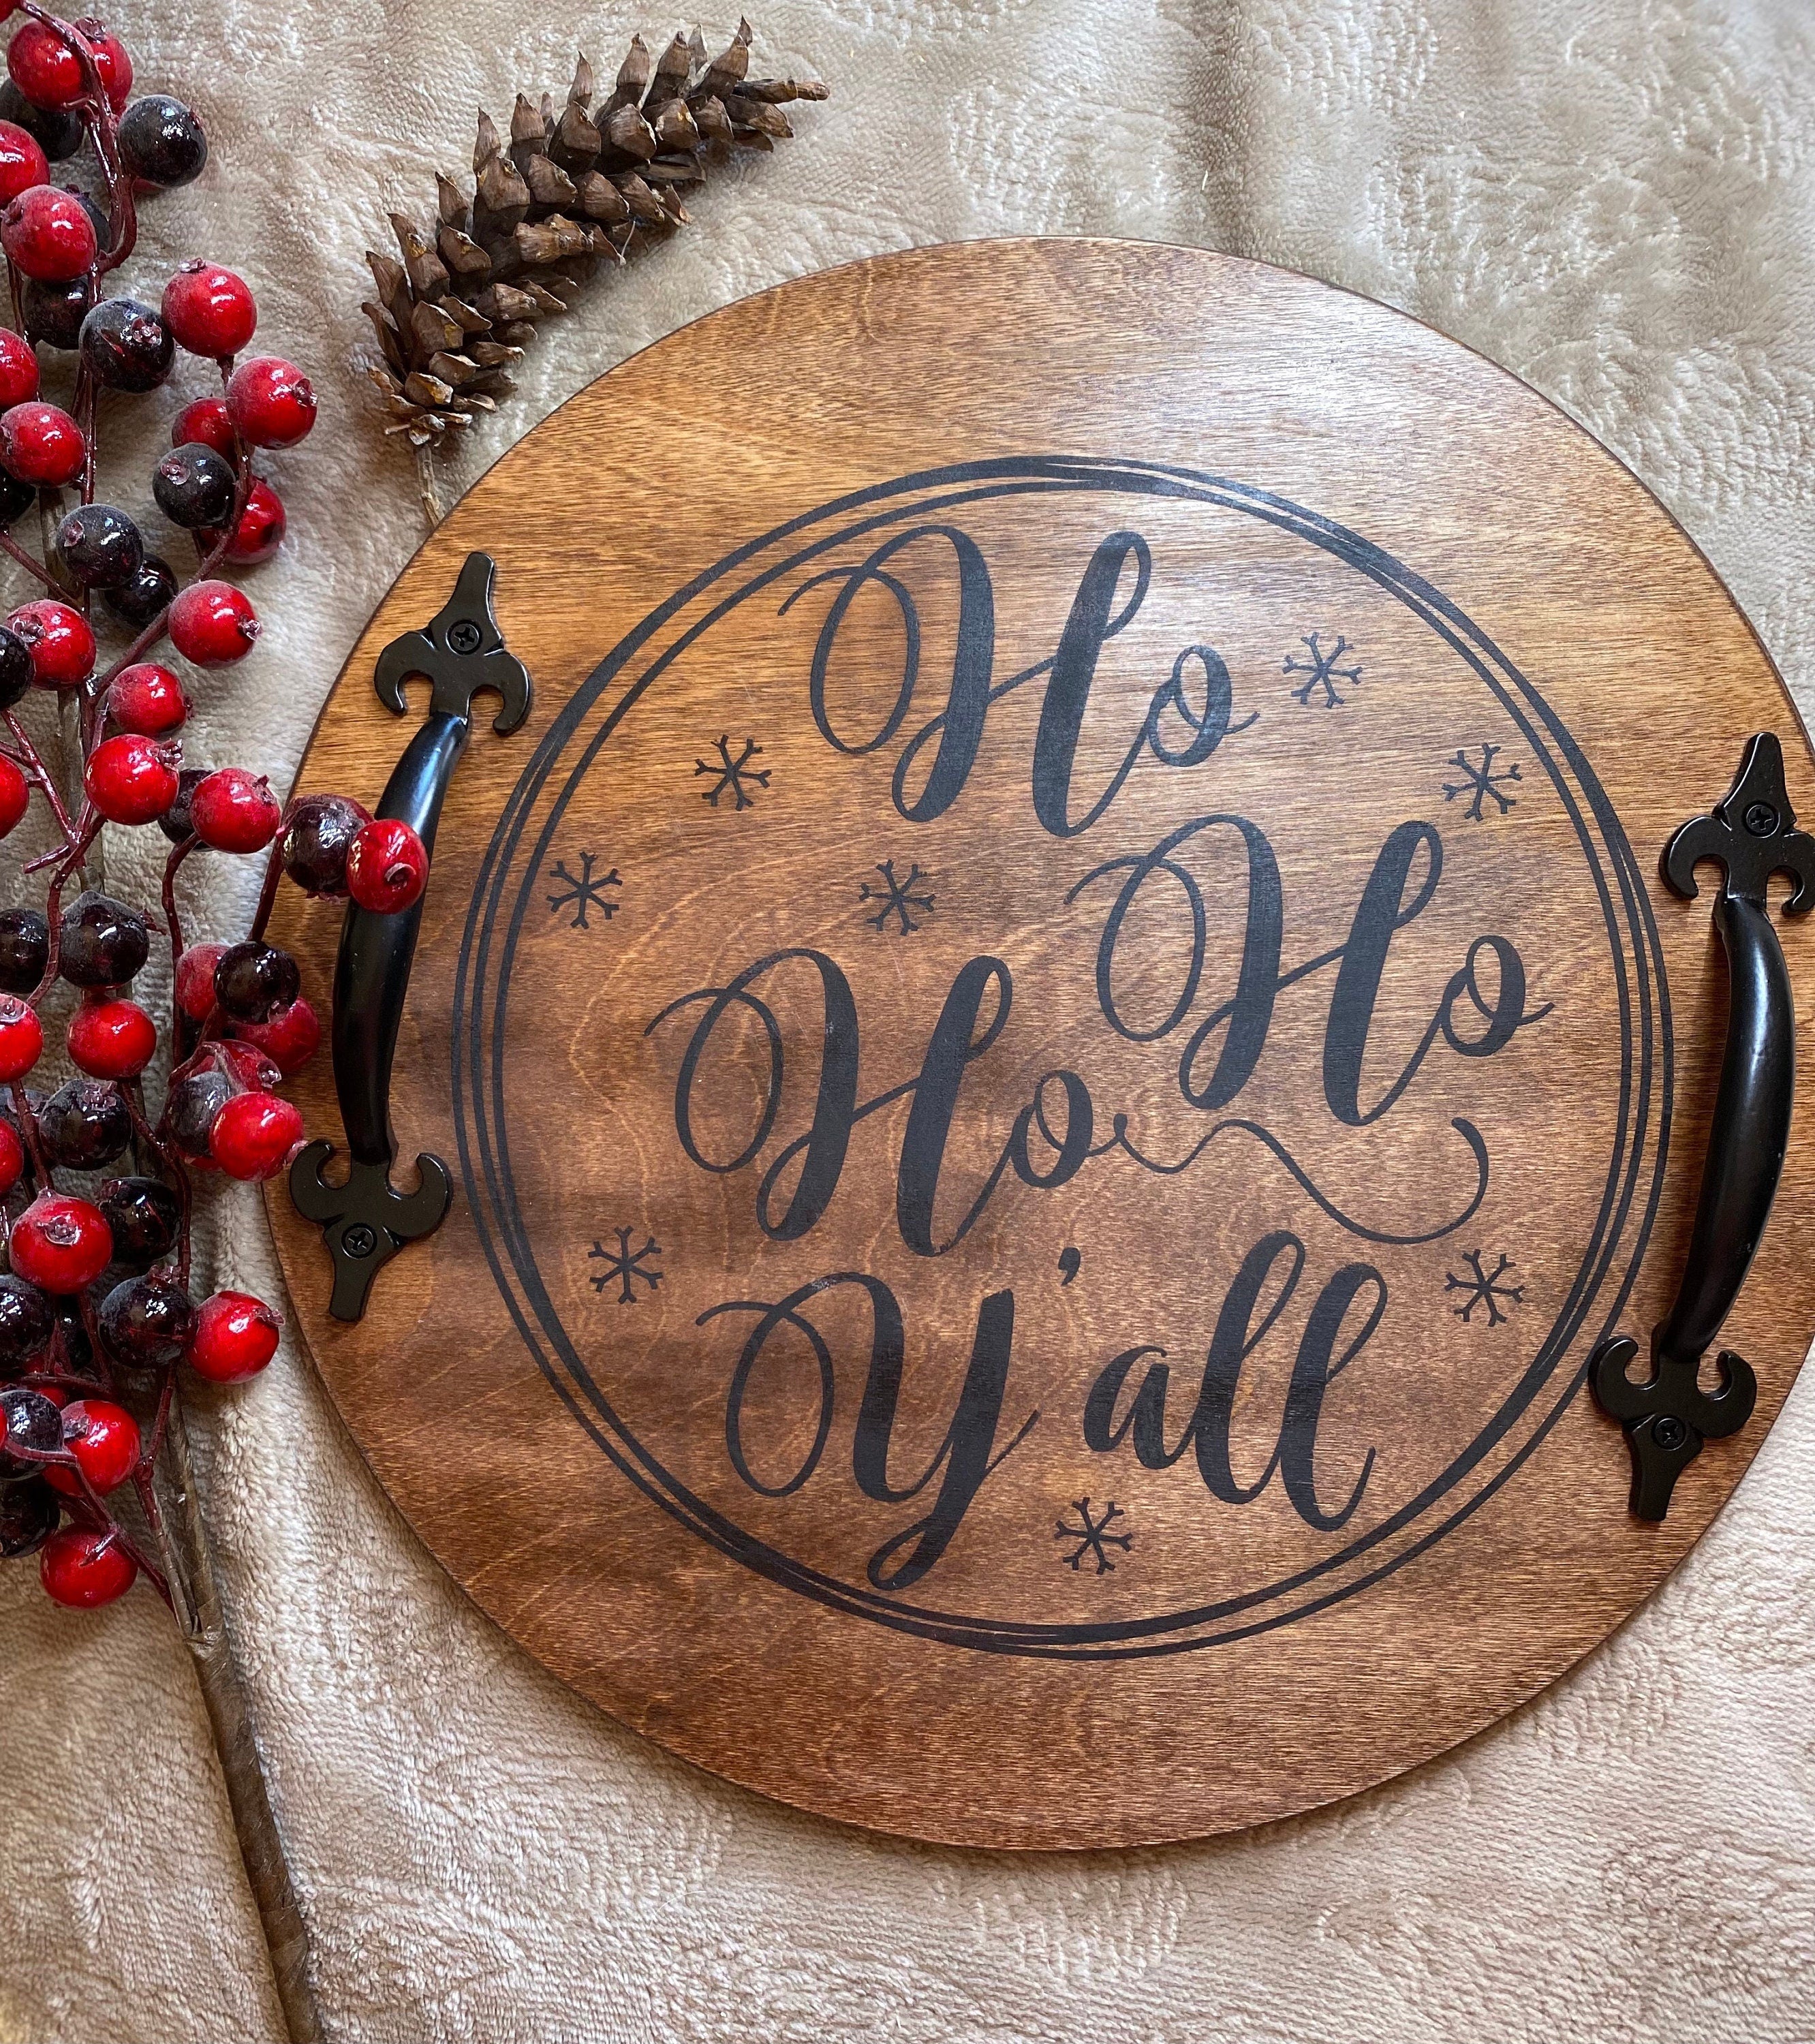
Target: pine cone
570,190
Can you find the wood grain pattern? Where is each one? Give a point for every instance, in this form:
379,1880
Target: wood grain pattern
1087,1050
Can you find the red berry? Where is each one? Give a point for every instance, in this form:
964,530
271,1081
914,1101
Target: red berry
22,162
235,811
260,532
86,1570
47,233
131,779
386,867
235,1336
249,1066
18,366
253,1134
210,622
104,1438
15,792
146,698
21,1037
12,1157
61,1244
112,62
206,420
44,66
195,980
288,1036
270,402
41,444
61,643
209,309
111,1039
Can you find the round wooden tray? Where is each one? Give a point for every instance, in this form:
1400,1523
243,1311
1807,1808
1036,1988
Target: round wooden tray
1055,1042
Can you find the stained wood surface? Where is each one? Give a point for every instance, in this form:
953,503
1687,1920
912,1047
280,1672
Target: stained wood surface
1257,1141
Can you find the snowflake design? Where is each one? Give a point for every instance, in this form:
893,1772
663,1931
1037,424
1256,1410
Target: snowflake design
1092,1535
1483,781
897,897
1483,1289
583,893
732,773
1320,671
625,1266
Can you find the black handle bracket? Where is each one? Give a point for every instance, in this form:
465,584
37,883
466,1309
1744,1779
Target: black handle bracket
365,1221
1752,832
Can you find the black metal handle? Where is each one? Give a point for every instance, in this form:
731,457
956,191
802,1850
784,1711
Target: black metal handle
366,1221
1667,1418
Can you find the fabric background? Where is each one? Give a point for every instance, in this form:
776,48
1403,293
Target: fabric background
1616,198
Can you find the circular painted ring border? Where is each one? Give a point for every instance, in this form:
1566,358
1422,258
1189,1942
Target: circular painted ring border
484,1147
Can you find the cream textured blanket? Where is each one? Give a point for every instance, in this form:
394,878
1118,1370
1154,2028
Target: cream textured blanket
1616,198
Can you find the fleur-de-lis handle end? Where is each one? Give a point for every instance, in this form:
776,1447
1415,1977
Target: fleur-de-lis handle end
1752,832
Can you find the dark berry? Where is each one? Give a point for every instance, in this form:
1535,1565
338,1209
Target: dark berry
31,1421
176,823
16,669
146,1322
53,313
126,345
145,1216
85,1124
26,1320
103,941
48,234
58,132
14,1161
28,1514
97,218
194,486
191,1105
251,979
16,499
100,546
161,142
145,595
317,839
25,950
76,1346
210,310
